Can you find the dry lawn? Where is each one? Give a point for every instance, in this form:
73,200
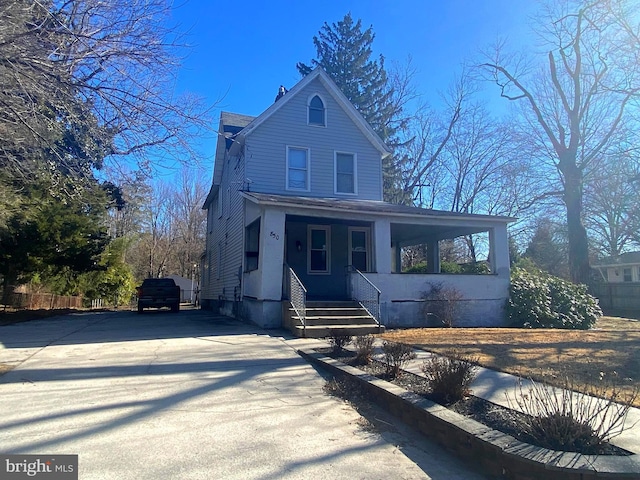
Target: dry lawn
612,348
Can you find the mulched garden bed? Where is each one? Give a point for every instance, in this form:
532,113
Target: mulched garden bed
488,413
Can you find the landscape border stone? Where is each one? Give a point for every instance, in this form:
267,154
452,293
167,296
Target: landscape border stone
495,452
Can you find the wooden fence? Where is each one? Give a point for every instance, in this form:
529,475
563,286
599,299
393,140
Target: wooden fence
618,298
40,301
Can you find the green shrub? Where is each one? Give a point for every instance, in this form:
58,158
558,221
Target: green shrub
418,268
449,376
473,268
540,300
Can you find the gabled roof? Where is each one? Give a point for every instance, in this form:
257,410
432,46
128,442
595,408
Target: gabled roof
235,127
628,258
230,125
337,95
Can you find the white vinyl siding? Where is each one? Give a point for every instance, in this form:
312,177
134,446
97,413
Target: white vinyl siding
267,152
345,173
225,245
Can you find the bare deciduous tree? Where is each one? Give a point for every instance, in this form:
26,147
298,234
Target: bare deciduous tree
87,79
578,101
611,205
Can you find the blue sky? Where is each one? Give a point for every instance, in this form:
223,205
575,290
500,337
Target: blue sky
242,51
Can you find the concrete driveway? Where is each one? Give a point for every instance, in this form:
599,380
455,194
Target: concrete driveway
189,396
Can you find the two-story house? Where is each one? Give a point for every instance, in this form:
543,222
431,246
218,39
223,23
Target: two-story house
295,214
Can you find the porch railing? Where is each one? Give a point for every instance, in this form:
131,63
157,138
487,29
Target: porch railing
364,292
297,296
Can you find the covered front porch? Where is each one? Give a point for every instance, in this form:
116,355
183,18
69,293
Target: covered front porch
334,250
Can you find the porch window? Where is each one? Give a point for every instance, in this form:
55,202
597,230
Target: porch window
318,255
626,273
345,168
316,111
297,168
252,246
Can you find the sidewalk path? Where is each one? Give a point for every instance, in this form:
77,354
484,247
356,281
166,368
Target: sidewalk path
497,387
189,396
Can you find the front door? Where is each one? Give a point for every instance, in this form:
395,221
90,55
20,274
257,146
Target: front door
360,248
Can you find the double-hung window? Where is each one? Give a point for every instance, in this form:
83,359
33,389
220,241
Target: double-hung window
345,170
298,168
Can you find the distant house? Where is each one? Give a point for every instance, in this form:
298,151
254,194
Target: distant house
624,268
295,216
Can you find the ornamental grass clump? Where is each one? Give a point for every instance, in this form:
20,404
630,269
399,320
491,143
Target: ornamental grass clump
449,377
573,418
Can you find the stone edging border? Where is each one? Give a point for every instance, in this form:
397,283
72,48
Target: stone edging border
497,453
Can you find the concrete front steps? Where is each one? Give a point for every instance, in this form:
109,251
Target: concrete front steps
325,318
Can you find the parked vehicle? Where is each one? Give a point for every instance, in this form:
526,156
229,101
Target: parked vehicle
157,293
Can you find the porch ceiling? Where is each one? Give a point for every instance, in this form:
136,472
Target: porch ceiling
405,234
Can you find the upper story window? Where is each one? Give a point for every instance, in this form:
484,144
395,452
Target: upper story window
317,111
345,168
298,168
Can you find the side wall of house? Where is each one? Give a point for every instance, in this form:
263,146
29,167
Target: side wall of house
225,233
266,150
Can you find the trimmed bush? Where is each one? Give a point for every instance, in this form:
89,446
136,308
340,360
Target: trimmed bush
449,376
364,349
396,356
540,300
338,339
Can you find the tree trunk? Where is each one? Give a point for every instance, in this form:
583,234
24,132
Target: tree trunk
578,245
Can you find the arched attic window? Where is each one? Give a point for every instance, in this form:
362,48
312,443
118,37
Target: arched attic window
316,111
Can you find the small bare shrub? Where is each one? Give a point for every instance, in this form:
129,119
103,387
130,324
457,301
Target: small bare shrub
364,349
338,339
396,356
449,376
574,418
443,302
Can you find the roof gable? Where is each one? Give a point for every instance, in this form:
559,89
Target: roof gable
338,96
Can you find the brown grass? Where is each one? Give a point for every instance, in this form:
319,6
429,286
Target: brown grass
612,348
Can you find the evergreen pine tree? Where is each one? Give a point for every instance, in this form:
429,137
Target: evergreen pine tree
344,51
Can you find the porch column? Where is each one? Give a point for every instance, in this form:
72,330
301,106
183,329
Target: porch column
396,255
499,250
433,256
272,254
382,245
